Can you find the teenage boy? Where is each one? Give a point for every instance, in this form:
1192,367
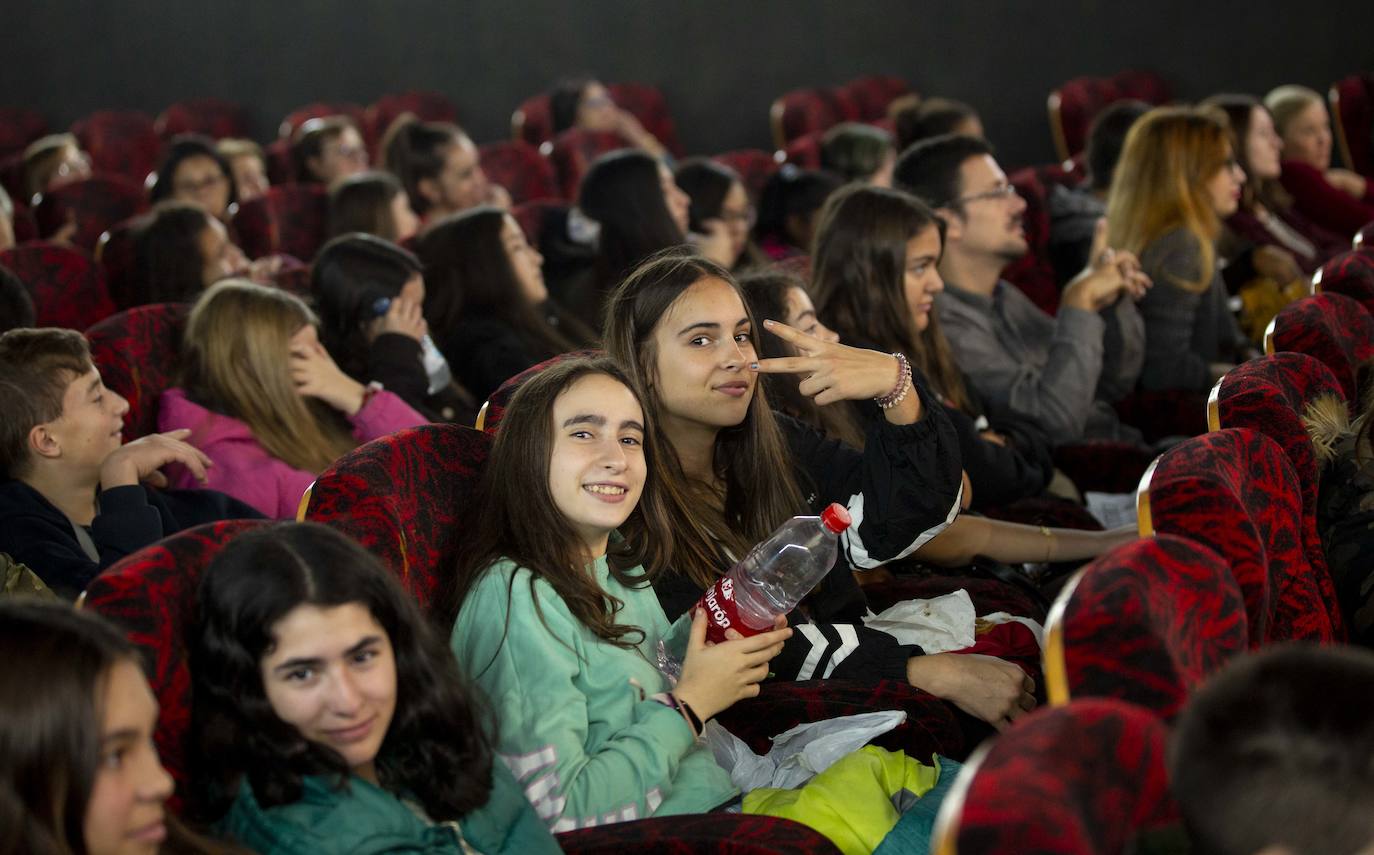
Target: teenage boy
72,497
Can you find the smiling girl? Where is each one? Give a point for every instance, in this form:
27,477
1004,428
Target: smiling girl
331,717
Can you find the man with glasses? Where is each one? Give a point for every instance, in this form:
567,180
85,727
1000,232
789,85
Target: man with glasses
1022,362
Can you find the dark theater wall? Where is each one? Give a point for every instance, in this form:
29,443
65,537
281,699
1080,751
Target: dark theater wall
719,63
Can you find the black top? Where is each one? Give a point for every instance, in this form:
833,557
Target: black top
397,362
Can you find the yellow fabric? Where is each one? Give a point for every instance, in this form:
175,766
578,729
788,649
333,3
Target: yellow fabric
1261,299
851,802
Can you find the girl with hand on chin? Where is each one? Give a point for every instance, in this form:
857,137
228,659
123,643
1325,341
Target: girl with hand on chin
733,471
331,717
556,620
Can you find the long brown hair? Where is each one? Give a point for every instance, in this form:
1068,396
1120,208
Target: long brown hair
518,519
859,281
1161,184
235,347
751,459
1240,112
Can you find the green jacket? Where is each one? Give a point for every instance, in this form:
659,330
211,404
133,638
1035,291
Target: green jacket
365,819
579,726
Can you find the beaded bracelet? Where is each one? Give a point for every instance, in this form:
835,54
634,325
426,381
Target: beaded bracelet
900,390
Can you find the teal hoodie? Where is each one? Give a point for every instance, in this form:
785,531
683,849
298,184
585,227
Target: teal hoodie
580,728
364,819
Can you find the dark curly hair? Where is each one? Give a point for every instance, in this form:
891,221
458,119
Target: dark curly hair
438,747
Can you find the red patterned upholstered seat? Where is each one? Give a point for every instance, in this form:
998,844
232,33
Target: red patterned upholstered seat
1235,492
137,354
151,596
575,149
115,251
531,216
689,834
1350,273
281,169
213,117
12,177
97,203
647,104
291,219
403,497
1271,395
532,121
19,126
122,142
802,111
321,110
754,166
805,150
1145,623
1077,780
1033,272
67,287
1073,105
426,106
1352,107
521,169
1331,327
871,94
25,226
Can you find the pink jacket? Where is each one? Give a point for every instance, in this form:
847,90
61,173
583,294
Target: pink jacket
246,470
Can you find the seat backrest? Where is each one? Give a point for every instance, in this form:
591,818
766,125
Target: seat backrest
489,419
96,203
123,142
647,104
1331,327
1033,272
754,165
281,169
291,219
322,110
1235,492
1074,104
406,498
872,93
531,216
575,149
66,286
213,117
12,178
1350,273
532,121
116,251
150,595
1352,106
427,106
803,111
1145,623
1082,779
521,169
19,126
715,833
137,353
804,151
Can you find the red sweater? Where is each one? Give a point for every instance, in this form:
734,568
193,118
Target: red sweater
1327,206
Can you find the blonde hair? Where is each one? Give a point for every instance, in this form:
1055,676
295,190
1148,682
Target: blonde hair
1160,183
235,351
1286,102
41,159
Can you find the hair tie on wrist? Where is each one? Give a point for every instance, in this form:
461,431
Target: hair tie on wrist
899,391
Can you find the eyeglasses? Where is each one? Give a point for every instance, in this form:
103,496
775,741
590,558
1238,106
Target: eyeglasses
209,182
747,217
1001,191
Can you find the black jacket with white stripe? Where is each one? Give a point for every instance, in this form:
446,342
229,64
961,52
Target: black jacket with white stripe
901,491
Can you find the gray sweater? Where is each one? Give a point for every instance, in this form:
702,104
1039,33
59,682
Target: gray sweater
1185,330
1028,364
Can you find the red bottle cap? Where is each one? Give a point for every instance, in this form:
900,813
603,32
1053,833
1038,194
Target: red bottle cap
836,518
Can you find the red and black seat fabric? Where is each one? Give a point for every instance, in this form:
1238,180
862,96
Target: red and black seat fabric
802,111
1271,395
1033,272
1234,491
1350,273
574,150
123,142
427,106
66,286
1074,104
521,169
19,126
532,121
804,151
1084,779
24,224
281,169
95,203
754,166
1352,107
12,178
291,219
532,215
689,834
322,110
405,497
212,117
1333,328
647,104
150,595
871,94
137,354
116,253
1145,623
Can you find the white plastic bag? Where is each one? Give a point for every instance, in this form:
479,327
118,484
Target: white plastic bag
938,625
798,754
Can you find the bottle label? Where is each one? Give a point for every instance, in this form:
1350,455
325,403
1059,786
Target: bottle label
722,612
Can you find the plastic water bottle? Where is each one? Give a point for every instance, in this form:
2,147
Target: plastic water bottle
775,575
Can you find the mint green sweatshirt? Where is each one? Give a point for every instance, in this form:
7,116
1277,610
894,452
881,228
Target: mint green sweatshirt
579,727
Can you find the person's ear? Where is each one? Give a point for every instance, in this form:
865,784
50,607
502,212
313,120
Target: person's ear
954,224
429,189
43,443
